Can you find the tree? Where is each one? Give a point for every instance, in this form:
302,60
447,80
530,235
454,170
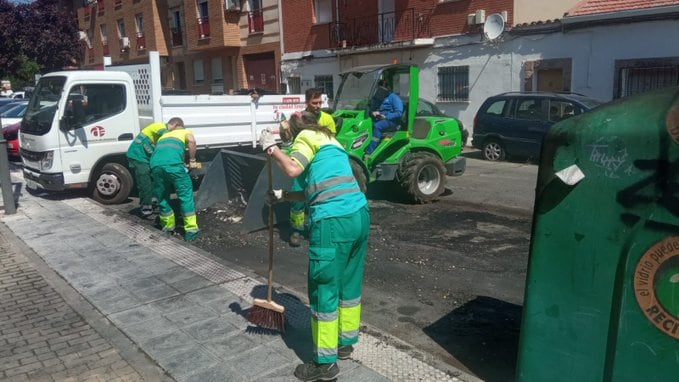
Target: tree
36,37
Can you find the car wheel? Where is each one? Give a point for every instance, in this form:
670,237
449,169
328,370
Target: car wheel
423,176
112,185
494,151
359,174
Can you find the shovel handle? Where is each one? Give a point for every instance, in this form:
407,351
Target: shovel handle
269,170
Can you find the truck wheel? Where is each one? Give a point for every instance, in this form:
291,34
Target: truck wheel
112,185
493,150
423,176
361,179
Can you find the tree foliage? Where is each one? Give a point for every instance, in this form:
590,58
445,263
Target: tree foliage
36,37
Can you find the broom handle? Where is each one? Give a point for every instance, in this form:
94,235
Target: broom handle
270,176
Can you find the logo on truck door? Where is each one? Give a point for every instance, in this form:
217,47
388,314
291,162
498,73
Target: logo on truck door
656,285
98,131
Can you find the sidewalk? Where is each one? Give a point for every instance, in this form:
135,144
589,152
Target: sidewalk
181,306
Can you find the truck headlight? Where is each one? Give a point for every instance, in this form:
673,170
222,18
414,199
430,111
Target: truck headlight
46,161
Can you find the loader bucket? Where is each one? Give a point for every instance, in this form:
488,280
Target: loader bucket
234,175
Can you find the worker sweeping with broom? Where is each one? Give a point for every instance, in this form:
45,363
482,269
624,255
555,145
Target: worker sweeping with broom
338,238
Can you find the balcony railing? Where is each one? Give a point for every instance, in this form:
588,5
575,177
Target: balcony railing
256,21
141,41
177,37
104,46
86,11
100,5
380,29
203,27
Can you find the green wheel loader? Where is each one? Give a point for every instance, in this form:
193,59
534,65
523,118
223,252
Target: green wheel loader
418,154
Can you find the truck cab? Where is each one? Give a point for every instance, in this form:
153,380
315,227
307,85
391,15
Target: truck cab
77,127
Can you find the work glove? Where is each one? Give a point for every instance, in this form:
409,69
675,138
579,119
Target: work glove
266,139
194,165
274,197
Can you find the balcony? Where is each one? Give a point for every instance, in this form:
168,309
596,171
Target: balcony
104,46
117,3
141,41
256,21
203,27
177,37
100,5
86,11
380,29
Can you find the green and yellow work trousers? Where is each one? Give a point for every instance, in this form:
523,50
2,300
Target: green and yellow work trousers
175,176
337,249
143,179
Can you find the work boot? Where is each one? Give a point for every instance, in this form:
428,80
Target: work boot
146,210
155,206
312,371
190,236
296,239
344,351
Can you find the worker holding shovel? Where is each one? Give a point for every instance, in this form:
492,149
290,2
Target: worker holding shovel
339,225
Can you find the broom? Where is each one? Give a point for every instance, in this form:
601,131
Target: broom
266,313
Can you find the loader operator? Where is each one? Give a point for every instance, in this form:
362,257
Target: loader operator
314,101
169,171
138,157
338,238
387,116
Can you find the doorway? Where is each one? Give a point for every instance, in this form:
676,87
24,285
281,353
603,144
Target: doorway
260,71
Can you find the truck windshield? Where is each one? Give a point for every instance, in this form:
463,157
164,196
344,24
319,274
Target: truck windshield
354,92
43,105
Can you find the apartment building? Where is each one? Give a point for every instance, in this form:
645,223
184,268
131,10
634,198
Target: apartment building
206,46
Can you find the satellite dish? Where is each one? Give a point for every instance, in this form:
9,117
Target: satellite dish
493,26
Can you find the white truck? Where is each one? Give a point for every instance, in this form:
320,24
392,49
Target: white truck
79,124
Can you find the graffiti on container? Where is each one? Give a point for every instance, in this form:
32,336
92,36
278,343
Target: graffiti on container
610,154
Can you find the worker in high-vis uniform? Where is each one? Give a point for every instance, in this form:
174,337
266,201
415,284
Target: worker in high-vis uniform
314,100
138,158
170,172
339,225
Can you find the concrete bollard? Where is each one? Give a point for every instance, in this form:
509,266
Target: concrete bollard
6,181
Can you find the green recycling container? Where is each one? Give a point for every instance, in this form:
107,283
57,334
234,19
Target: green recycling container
602,289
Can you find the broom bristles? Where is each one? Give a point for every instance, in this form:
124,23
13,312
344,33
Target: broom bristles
267,314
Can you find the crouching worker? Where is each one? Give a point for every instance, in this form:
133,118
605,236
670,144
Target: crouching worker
138,157
169,172
339,224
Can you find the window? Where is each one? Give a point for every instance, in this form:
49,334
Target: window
217,73
322,11
176,27
203,20
530,108
325,83
104,34
93,102
560,110
640,80
497,107
295,85
453,83
139,19
121,28
198,72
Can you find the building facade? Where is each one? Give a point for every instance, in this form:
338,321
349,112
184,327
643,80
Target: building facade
566,46
206,46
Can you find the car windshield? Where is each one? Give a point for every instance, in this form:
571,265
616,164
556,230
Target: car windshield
6,107
43,105
354,92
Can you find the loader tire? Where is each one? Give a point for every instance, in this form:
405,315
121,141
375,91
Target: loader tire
112,184
359,174
423,177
